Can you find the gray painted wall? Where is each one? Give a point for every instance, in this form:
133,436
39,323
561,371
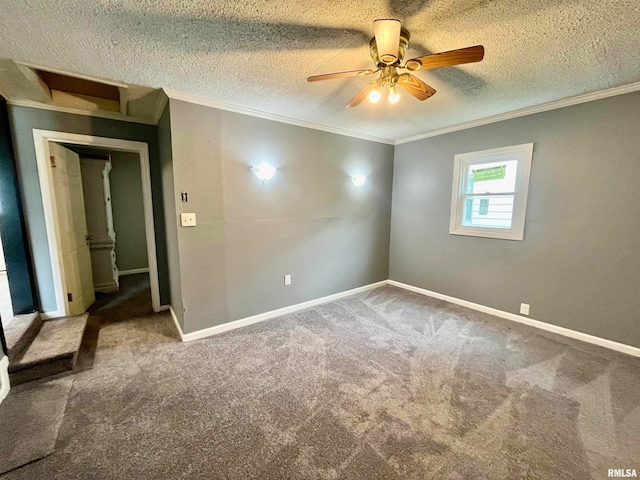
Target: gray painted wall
308,221
579,263
23,120
171,219
127,205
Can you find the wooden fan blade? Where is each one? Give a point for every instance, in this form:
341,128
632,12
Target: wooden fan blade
447,59
331,76
415,86
361,95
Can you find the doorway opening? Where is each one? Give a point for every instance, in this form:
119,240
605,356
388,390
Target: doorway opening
114,212
73,249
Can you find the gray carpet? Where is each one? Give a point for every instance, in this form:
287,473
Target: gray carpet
29,422
386,384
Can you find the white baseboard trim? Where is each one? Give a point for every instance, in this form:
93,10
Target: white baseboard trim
133,271
585,337
164,308
175,320
106,288
52,314
225,327
243,322
5,385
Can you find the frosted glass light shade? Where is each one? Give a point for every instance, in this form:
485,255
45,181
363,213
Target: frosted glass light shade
358,180
387,33
264,171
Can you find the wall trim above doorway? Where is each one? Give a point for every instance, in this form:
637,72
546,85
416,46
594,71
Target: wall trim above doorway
41,142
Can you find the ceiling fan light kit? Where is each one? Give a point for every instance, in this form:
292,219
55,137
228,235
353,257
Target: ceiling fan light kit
387,49
394,96
387,38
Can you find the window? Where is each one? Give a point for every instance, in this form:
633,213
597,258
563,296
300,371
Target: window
490,192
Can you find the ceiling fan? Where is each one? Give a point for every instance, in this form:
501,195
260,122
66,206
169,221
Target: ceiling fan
387,48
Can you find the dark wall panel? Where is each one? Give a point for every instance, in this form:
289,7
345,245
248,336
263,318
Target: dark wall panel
12,228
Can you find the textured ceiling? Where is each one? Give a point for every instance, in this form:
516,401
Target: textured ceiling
257,54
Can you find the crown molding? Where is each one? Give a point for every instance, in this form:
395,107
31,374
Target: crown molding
176,95
76,111
186,97
545,107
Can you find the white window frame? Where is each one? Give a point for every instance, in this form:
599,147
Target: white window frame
523,154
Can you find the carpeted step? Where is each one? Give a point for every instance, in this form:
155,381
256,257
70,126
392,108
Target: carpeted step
20,333
53,351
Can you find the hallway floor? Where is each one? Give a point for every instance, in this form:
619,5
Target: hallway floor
115,311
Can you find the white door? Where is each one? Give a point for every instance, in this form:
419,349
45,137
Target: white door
72,224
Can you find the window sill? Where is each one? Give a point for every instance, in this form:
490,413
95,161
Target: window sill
489,233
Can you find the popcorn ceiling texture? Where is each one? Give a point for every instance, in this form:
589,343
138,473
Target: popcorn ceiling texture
257,54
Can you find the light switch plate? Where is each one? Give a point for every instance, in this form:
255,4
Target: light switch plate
188,219
287,279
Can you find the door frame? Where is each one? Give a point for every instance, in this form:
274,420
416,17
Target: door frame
41,141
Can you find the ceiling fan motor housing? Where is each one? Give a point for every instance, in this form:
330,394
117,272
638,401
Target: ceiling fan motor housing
402,49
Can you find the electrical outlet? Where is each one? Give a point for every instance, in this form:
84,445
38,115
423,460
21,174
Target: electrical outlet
524,308
287,279
188,219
